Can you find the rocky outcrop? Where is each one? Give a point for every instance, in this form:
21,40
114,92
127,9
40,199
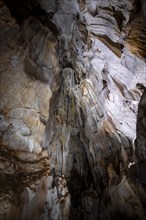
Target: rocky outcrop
72,75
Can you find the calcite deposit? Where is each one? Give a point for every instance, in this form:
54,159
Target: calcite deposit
72,110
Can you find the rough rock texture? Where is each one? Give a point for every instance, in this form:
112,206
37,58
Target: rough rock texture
72,75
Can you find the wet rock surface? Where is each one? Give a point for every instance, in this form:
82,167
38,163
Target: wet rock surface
72,110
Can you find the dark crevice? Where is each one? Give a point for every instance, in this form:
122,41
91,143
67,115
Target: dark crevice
78,187
21,10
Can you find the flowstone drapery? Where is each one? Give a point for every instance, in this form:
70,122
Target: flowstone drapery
72,110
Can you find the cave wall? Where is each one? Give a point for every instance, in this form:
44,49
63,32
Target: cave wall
72,75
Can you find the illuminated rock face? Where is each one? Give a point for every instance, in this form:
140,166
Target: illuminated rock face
72,75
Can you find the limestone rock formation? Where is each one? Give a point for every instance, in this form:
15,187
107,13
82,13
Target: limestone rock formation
72,110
